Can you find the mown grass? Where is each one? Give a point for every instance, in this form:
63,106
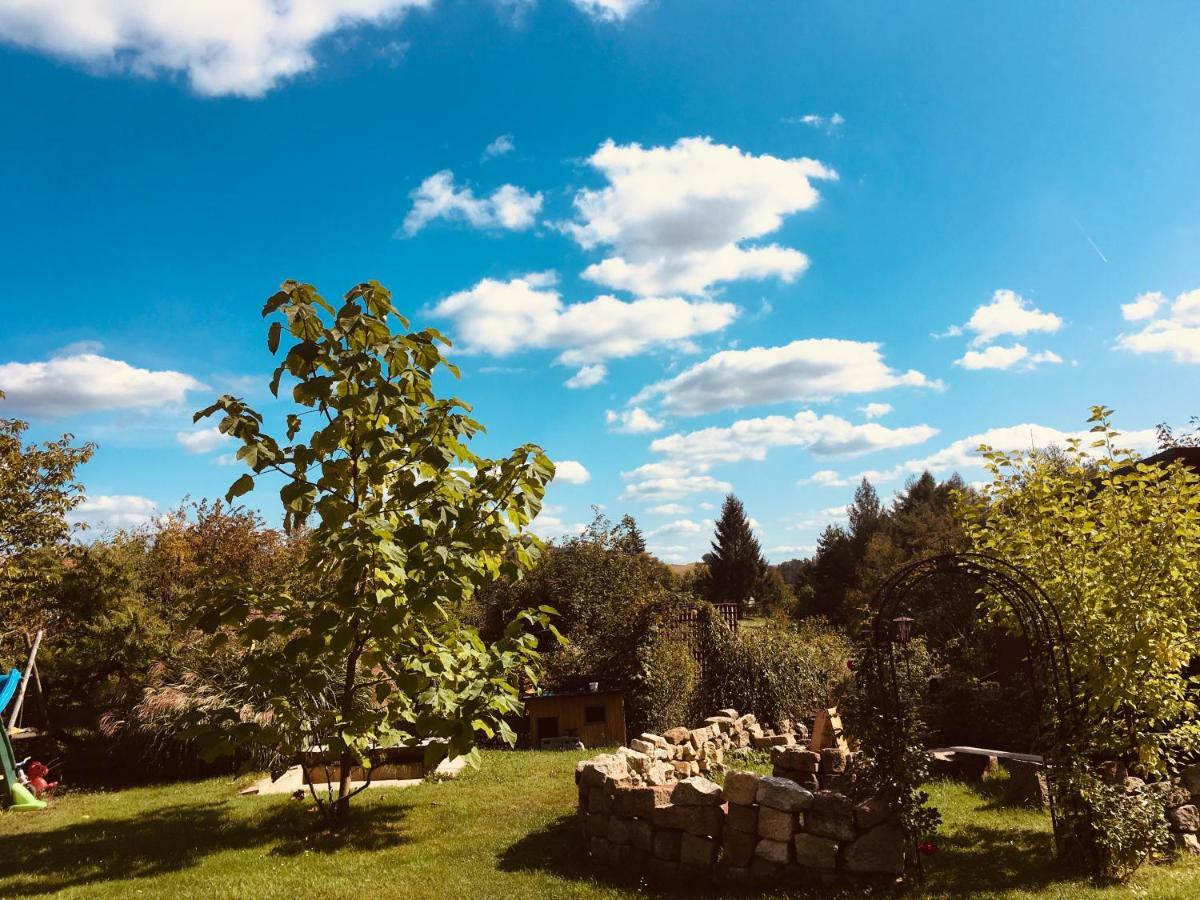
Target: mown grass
504,831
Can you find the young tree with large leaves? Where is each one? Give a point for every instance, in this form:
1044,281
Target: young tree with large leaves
37,490
1115,544
406,524
736,564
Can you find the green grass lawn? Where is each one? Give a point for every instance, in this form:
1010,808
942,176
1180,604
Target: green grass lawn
504,831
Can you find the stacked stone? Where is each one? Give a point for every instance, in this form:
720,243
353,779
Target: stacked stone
1183,809
662,830
688,752
829,770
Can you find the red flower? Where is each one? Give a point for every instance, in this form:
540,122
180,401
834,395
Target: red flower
928,848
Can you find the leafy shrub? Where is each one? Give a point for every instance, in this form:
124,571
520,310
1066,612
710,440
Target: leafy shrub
774,672
665,694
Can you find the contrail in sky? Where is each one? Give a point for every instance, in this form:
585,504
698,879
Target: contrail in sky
1088,237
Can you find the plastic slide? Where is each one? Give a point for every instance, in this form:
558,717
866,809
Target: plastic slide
21,797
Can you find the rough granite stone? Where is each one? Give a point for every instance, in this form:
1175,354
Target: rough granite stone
641,801
677,735
697,851
776,824
783,794
666,843
795,759
1185,819
692,819
778,852
742,818
738,848
741,787
815,852
880,850
697,791
871,812
596,771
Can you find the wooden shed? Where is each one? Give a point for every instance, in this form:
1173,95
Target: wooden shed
595,717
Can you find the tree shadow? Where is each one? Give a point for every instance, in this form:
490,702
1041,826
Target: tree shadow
981,859
172,838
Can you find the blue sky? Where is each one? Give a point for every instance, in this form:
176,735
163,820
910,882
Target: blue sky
771,246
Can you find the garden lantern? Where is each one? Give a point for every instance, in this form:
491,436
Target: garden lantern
904,626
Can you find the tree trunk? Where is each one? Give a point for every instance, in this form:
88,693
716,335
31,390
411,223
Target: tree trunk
341,808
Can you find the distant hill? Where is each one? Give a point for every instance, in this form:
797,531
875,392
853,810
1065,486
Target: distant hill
682,569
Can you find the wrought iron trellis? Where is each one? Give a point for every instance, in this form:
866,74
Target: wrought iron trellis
1048,662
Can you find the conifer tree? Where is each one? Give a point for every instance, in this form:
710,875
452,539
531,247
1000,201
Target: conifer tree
632,539
736,563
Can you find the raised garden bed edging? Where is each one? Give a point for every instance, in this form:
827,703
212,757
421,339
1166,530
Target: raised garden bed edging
643,814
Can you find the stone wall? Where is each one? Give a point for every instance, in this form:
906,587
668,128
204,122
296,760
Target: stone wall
1183,809
648,809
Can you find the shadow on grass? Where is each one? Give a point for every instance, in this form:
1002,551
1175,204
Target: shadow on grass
977,858
173,838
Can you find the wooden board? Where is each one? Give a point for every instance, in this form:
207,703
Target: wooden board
827,731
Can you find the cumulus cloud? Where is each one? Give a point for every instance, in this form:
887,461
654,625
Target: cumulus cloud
670,509
88,382
587,376
688,456
1007,313
1177,332
677,219
804,370
609,10
632,421
875,410
202,440
240,47
114,511
681,526
499,147
1143,306
1000,357
502,317
964,453
828,124
571,472
752,439
509,207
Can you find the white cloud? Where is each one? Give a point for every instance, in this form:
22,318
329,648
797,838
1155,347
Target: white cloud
632,421
1176,333
1007,313
804,370
963,454
609,10
1000,357
670,509
571,472
88,382
587,376
202,440
792,550
824,478
499,147
672,480
502,317
875,410
549,526
828,124
240,47
681,526
437,197
677,218
1143,306
114,511
688,456
752,439
835,512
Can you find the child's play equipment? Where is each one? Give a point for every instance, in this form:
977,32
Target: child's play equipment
14,794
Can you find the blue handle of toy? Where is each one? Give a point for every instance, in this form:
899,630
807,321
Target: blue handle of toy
8,687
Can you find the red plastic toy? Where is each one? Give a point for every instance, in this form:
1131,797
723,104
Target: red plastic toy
36,772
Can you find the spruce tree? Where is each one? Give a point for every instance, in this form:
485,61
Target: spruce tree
632,540
736,563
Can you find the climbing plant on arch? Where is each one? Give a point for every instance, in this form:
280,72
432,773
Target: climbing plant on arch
895,764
